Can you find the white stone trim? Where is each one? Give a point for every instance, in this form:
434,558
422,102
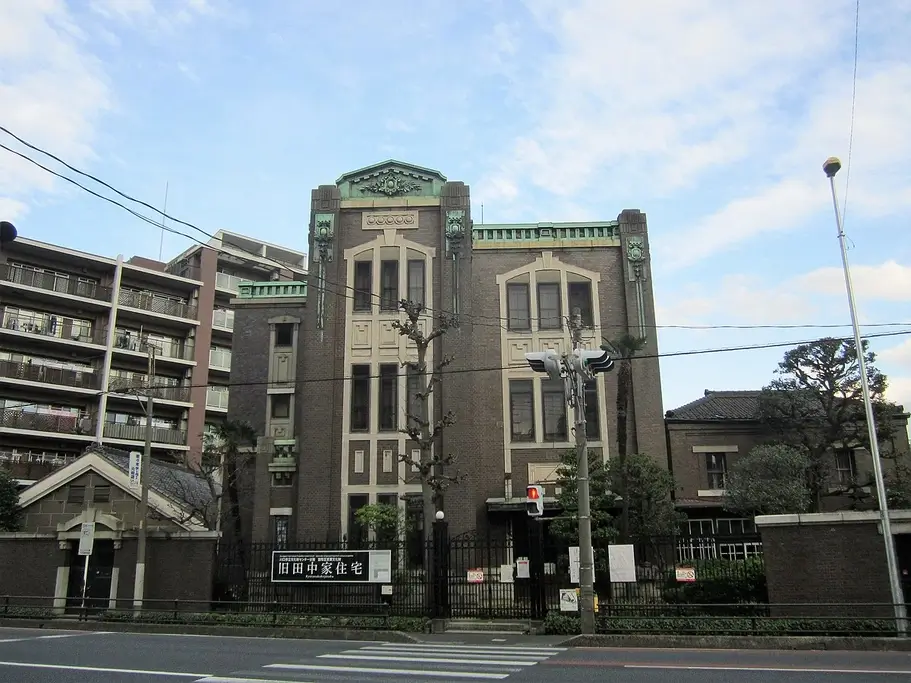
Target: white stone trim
710,493
280,512
816,518
716,449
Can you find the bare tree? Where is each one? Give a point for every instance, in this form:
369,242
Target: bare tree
420,425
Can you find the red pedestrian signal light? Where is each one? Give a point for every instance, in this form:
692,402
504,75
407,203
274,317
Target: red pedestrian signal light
534,500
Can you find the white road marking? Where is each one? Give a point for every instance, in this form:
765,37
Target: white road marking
231,679
512,649
433,660
60,635
99,669
447,653
396,672
765,669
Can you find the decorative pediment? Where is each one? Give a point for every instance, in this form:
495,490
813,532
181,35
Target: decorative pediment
391,179
548,261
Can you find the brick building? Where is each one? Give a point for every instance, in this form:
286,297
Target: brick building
321,362
706,437
72,353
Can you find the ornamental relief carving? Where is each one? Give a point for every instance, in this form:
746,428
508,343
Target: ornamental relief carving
389,219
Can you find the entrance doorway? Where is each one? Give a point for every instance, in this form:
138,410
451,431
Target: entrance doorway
903,552
98,585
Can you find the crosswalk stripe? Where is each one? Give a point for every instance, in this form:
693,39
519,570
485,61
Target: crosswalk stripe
396,672
432,660
449,653
234,679
473,648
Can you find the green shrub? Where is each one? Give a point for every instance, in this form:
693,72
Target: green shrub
721,582
11,612
283,620
568,624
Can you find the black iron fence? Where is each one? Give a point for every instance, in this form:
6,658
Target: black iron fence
499,577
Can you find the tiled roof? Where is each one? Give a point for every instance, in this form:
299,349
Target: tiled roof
172,481
719,405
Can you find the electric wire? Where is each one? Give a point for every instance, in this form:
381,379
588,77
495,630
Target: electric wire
335,287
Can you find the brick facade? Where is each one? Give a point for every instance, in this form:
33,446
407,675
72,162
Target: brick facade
466,271
726,424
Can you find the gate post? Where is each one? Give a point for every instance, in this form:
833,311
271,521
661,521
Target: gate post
440,569
537,595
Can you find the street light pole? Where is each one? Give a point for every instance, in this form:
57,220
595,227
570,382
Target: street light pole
145,473
831,166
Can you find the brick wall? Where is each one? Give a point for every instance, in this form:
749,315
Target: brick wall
825,558
28,565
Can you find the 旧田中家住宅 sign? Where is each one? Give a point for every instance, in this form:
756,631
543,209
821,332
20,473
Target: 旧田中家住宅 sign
331,566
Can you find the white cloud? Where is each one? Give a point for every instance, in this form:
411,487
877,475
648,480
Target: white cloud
895,362
649,98
163,16
53,93
817,296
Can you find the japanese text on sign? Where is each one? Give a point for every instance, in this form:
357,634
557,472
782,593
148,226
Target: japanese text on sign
354,566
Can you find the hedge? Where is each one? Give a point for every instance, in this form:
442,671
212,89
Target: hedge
283,620
566,624
721,582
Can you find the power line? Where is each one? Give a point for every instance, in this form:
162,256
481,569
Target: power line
332,287
138,389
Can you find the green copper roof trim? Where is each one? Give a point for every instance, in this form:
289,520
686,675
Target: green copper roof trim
536,232
390,178
272,290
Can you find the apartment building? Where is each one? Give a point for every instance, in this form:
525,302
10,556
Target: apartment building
337,392
73,362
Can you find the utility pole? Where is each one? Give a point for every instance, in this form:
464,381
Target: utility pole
574,369
139,580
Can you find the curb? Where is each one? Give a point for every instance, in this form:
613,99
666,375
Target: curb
205,630
742,643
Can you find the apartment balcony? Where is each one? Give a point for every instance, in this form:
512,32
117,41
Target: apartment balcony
55,284
137,432
131,342
17,457
52,423
228,282
61,377
223,319
54,328
217,399
135,384
220,359
158,305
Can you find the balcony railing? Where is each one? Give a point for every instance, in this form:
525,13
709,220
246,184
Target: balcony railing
229,282
217,398
146,301
272,290
54,282
130,340
55,423
137,432
220,358
63,328
136,384
34,372
223,319
28,457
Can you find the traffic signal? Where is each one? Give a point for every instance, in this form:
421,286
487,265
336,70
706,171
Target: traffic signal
534,500
590,363
546,361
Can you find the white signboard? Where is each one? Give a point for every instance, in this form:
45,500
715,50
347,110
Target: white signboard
622,563
135,469
522,568
475,576
86,538
569,600
686,574
574,563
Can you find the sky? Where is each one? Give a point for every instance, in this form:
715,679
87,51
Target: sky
712,117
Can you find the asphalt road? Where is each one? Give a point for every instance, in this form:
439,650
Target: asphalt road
43,656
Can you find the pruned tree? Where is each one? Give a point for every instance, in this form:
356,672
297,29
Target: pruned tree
649,507
211,488
769,480
388,523
421,427
10,512
815,404
623,349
